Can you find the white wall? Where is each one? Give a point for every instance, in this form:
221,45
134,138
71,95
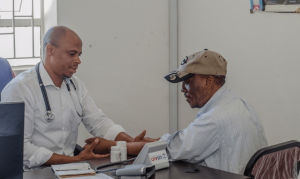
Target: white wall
125,57
262,51
50,14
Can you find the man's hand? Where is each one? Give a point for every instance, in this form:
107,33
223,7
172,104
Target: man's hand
88,153
122,136
142,138
103,147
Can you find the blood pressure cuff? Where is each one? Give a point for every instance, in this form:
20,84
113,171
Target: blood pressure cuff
135,171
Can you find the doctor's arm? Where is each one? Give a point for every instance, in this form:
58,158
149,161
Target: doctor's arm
87,154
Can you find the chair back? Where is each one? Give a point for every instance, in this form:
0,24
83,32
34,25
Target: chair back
279,161
6,74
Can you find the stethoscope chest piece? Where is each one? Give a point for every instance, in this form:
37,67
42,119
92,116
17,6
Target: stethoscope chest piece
49,117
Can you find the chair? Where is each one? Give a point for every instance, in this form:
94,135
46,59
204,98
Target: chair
6,74
279,161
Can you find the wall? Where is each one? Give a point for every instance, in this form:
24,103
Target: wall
50,14
262,50
125,57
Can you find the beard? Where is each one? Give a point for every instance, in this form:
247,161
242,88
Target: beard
202,99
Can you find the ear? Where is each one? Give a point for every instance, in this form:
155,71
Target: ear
210,80
50,49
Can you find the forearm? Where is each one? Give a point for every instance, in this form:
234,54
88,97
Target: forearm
134,148
61,159
104,146
122,136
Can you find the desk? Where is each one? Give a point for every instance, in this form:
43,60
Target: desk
174,171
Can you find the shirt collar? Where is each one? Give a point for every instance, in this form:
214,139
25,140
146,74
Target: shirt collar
45,76
68,80
210,103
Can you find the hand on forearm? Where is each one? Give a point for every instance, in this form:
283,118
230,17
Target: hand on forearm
141,138
87,154
122,136
103,146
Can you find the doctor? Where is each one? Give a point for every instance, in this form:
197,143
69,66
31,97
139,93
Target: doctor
56,102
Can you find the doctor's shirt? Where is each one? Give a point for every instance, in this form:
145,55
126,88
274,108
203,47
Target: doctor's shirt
42,139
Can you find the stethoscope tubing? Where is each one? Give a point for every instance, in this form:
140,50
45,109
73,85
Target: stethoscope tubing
44,92
49,116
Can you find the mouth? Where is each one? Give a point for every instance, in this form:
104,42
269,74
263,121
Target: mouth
186,96
73,69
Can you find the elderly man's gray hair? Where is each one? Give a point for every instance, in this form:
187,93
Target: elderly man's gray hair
53,37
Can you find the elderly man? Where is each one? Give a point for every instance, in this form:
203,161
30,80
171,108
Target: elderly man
227,131
56,102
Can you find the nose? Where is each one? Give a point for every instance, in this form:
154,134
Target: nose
77,60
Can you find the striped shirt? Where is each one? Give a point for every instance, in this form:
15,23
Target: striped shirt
225,134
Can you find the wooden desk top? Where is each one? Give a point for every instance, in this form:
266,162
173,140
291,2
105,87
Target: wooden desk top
174,171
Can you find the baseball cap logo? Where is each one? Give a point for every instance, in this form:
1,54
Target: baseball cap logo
174,75
185,60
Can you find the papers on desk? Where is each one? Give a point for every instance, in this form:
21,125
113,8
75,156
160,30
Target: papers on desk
73,170
97,176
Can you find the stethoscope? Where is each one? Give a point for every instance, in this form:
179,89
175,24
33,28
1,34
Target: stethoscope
49,117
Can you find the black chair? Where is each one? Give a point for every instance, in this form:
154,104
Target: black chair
77,150
279,161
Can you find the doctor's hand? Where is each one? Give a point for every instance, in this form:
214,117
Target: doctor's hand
103,147
88,153
142,138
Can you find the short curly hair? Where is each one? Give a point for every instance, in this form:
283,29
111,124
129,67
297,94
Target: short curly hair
219,79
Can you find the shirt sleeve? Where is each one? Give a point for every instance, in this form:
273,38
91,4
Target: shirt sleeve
194,143
96,122
33,155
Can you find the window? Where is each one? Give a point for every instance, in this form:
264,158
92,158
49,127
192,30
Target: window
20,31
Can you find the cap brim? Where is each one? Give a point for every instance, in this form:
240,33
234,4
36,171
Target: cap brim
174,78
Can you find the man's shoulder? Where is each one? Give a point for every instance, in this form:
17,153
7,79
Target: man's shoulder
228,104
24,79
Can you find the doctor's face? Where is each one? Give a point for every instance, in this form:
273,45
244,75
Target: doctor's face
66,57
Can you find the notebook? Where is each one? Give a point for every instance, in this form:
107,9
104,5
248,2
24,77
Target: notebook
73,170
